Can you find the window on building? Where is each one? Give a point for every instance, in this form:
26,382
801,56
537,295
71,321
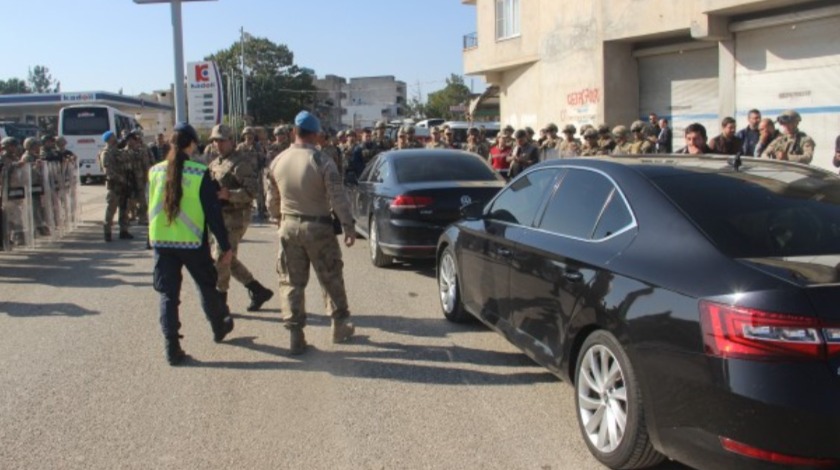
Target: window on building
507,19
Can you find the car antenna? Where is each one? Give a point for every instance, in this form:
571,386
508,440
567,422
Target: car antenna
736,161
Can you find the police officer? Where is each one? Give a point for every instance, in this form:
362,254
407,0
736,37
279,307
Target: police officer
793,144
304,186
236,176
114,163
184,205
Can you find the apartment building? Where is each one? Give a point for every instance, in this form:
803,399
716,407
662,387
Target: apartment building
361,101
615,61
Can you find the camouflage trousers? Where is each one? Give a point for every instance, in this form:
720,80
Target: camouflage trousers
303,244
117,201
236,224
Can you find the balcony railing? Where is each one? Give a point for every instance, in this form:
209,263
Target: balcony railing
470,41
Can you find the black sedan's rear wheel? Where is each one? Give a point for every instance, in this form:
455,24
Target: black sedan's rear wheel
379,259
450,295
609,403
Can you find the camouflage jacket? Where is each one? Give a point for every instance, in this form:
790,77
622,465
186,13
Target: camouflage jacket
237,173
797,147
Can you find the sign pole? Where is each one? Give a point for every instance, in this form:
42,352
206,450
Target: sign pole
178,43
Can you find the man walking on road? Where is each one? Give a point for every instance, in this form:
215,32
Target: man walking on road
304,186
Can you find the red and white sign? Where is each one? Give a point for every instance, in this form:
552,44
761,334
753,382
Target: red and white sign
204,94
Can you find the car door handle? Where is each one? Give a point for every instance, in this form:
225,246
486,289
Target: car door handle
573,276
503,252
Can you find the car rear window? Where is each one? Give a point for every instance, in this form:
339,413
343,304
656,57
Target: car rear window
442,167
761,211
85,121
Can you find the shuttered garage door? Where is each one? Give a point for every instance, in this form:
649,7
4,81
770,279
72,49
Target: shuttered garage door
681,85
793,66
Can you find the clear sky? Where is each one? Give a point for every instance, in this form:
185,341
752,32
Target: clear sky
107,45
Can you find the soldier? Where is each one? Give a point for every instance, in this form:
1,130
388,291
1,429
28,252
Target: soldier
793,144
250,148
550,144
328,148
236,174
383,143
570,147
622,144
13,210
32,155
530,132
590,147
403,139
641,144
281,142
115,164
160,149
436,142
354,162
605,139
369,149
412,139
140,162
48,150
304,187
472,143
449,138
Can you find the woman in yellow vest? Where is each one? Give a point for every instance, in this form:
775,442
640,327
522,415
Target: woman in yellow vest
183,204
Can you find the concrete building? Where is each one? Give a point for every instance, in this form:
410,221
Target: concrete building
615,61
370,99
330,100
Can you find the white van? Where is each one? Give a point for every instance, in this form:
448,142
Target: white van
83,126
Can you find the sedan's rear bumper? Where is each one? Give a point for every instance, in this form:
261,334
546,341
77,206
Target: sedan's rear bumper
409,239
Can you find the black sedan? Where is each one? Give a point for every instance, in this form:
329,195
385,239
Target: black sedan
693,302
404,199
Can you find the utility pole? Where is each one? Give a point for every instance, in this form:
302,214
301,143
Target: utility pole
244,90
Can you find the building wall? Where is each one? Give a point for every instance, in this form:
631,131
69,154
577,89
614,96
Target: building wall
577,61
370,99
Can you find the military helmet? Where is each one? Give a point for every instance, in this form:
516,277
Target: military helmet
508,129
46,138
280,130
529,130
30,142
789,116
551,127
637,126
248,130
8,141
379,125
61,140
590,133
472,131
569,129
403,130
603,129
350,132
340,134
620,131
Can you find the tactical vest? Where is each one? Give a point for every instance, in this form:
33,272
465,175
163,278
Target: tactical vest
186,231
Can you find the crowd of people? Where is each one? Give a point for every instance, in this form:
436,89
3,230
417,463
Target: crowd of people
38,190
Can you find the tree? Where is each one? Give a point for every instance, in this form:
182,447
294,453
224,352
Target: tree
455,93
277,88
13,86
415,108
40,80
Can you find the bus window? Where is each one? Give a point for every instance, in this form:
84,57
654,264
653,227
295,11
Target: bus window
85,121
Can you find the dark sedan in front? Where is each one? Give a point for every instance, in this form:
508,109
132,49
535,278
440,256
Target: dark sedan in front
405,198
693,302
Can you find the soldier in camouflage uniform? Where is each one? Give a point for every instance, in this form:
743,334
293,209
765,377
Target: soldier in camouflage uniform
590,147
641,143
116,167
622,141
476,145
304,187
793,145
236,175
436,142
550,145
12,210
605,139
330,149
368,146
140,160
251,148
449,138
383,143
281,143
403,139
570,147
412,138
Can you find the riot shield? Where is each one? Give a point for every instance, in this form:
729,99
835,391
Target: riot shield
17,208
71,181
42,214
55,179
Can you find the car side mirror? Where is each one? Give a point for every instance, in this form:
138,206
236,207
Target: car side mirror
472,211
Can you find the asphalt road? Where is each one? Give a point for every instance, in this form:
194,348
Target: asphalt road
84,383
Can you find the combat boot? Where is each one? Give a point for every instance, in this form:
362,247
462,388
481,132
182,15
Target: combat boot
124,235
107,232
259,295
342,330
222,329
297,342
174,354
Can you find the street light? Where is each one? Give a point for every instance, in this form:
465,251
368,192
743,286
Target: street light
178,45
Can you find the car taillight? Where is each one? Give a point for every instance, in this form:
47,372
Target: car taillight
735,332
411,202
775,457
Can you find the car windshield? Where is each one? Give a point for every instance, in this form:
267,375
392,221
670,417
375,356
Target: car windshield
761,211
85,121
442,167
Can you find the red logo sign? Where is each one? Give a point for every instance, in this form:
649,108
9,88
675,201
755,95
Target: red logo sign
202,74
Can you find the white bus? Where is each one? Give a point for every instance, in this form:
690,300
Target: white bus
83,126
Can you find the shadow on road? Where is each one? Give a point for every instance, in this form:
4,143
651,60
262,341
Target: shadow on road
19,309
80,260
422,267
391,361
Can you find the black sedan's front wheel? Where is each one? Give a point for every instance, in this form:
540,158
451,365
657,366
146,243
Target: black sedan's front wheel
609,405
450,296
